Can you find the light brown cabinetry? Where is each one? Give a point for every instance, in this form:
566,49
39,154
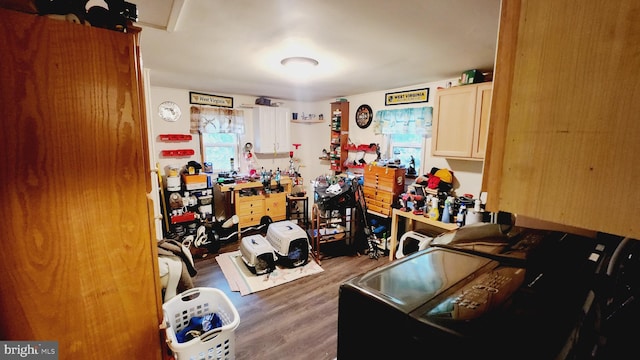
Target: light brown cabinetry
338,152
382,185
79,250
251,209
252,202
564,120
461,121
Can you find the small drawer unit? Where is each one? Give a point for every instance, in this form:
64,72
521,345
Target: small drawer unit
382,186
250,209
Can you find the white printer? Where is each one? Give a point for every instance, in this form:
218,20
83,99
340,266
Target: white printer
258,254
290,243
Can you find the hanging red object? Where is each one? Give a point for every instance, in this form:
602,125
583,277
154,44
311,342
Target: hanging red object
175,137
177,153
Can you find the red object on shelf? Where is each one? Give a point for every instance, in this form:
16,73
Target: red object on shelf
175,137
363,147
188,216
366,148
177,153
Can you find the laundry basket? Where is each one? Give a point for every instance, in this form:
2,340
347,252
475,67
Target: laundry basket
218,343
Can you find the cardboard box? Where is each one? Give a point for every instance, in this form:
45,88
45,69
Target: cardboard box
471,77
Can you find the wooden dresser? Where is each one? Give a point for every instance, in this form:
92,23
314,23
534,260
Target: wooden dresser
251,203
382,185
251,209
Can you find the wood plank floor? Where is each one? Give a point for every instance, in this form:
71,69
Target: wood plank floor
297,320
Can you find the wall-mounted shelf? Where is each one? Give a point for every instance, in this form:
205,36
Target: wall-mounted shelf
307,121
177,152
363,147
175,137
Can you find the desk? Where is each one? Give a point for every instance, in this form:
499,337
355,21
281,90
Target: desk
411,217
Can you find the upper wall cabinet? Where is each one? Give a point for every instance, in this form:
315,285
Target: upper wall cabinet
271,129
461,121
564,120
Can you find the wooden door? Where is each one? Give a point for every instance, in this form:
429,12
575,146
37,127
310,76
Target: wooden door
79,263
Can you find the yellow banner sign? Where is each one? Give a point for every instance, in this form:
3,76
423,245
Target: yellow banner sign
213,100
407,97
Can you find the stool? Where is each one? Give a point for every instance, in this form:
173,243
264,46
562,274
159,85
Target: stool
298,209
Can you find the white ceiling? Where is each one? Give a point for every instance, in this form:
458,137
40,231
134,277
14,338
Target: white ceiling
235,46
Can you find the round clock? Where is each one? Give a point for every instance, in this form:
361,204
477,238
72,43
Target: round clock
169,111
364,115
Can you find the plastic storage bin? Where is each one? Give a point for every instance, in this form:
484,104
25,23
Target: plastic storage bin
218,343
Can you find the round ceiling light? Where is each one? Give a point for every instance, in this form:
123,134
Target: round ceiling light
299,62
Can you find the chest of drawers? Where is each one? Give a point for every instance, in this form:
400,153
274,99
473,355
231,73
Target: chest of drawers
382,186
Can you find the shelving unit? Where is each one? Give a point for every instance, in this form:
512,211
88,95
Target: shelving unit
330,225
365,148
339,135
298,210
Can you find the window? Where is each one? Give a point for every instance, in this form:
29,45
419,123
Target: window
403,146
219,149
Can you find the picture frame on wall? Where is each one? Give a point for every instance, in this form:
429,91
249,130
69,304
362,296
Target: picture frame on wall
406,97
198,98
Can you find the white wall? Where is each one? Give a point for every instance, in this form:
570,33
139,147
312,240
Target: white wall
313,137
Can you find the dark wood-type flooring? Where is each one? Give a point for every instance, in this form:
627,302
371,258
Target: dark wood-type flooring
293,321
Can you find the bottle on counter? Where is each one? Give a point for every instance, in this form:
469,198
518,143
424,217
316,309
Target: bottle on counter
461,214
477,205
446,212
434,212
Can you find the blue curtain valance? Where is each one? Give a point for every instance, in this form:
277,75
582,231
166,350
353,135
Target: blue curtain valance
404,121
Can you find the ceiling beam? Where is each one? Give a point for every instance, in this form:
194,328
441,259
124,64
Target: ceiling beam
174,15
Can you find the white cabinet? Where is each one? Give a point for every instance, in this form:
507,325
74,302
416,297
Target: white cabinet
271,129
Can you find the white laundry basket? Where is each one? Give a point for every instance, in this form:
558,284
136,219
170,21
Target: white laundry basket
218,343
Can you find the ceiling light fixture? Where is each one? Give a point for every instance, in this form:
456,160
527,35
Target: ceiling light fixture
299,62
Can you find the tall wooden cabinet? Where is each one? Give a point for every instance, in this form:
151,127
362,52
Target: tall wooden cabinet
338,152
564,120
461,121
79,259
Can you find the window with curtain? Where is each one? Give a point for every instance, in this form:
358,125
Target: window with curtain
219,130
219,149
404,146
405,130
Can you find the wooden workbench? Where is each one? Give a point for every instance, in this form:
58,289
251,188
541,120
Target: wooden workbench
412,218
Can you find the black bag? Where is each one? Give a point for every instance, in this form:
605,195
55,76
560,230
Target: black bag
334,200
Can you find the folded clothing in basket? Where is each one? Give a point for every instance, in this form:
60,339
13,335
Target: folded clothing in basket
197,326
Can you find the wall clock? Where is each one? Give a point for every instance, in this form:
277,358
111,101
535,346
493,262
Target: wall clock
169,111
364,115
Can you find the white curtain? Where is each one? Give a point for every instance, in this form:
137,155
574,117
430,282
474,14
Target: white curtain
211,119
